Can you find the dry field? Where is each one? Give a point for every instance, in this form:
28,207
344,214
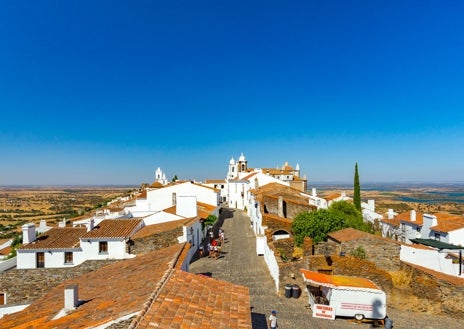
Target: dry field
19,205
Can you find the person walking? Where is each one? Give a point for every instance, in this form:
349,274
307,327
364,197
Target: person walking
273,320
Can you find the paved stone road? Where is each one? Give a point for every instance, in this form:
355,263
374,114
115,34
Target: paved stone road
239,264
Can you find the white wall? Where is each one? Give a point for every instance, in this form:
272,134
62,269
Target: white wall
25,259
116,249
456,237
7,264
429,258
160,199
11,309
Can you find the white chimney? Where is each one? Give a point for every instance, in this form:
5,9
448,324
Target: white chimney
186,206
43,223
371,204
71,299
313,191
390,213
413,215
28,233
62,223
90,224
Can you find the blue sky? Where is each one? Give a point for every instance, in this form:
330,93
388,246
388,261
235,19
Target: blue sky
104,92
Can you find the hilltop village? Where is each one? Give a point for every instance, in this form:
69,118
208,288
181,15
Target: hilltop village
128,264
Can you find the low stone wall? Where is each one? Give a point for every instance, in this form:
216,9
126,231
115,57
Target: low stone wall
443,290
384,253
156,241
26,285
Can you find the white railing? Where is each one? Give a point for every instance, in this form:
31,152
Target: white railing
272,265
268,253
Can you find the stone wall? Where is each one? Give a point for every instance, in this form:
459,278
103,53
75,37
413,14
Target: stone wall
156,241
444,291
26,285
382,252
289,209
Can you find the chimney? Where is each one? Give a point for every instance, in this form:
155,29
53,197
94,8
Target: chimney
71,299
90,224
413,216
43,223
390,213
313,191
371,204
62,223
28,233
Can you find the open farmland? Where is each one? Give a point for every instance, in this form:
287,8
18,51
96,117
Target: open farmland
19,205
425,198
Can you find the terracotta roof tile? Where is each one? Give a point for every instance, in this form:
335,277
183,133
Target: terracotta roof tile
6,251
159,228
347,234
57,238
113,228
195,301
106,294
215,181
406,217
448,223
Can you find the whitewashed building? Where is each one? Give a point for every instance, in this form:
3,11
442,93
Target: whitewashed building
71,246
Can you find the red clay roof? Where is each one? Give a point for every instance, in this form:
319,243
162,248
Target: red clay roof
57,238
113,228
337,281
195,301
161,227
406,217
447,223
347,234
113,291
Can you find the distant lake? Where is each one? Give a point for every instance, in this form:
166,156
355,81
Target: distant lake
435,197
416,192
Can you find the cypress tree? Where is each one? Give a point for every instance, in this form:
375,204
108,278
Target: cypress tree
357,189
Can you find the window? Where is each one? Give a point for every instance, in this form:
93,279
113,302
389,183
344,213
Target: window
174,199
103,247
418,229
2,298
437,236
403,227
68,257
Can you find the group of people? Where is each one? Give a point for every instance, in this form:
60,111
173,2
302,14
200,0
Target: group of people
214,244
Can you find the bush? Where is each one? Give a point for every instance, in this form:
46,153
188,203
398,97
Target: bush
359,252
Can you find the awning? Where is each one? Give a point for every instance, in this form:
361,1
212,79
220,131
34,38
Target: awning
339,281
436,244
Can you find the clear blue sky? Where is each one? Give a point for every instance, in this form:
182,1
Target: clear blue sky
104,92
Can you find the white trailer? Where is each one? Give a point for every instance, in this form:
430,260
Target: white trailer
333,296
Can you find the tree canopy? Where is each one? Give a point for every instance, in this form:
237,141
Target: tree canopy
318,224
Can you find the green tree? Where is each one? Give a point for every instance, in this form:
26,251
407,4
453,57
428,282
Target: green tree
209,221
357,189
174,178
318,224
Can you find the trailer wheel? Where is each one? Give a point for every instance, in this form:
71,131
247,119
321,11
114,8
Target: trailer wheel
359,317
